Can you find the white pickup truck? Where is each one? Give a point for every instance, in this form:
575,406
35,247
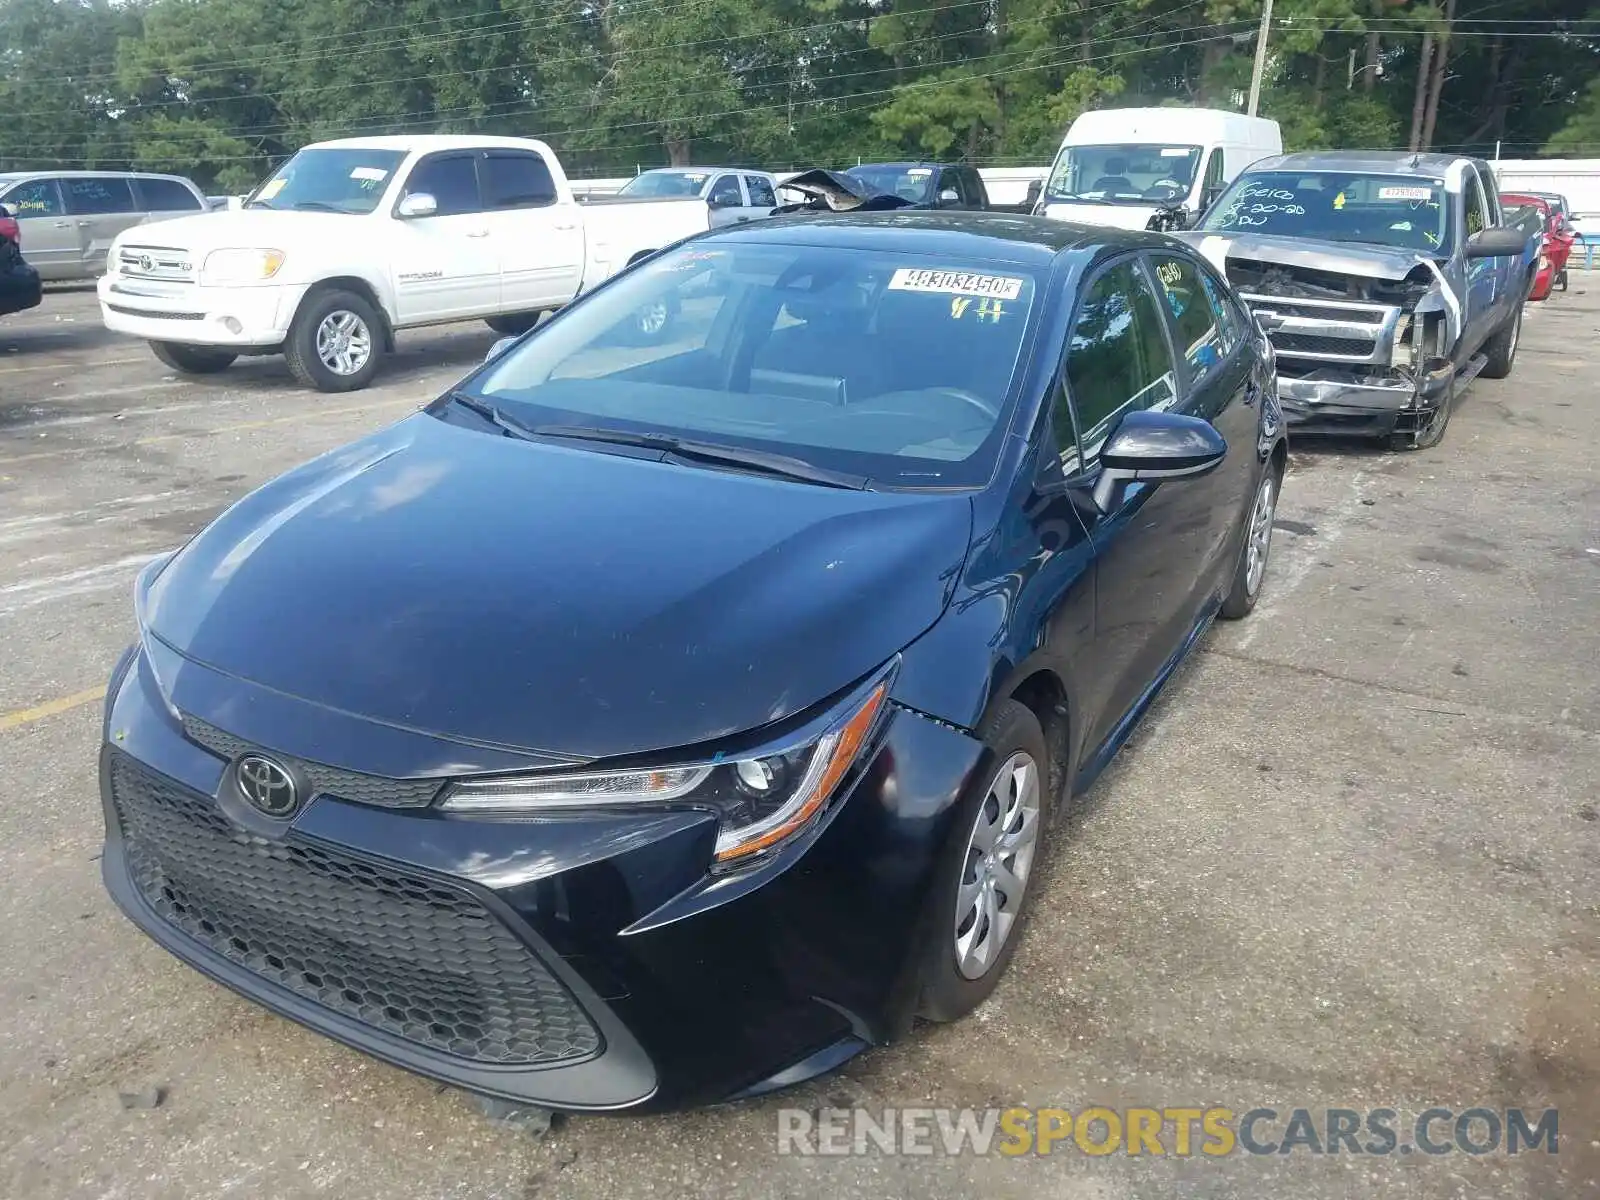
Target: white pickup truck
351,241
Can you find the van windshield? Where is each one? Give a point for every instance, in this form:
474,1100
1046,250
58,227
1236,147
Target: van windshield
1130,173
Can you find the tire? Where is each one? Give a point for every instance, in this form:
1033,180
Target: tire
1502,348
961,963
193,360
318,358
513,324
1255,548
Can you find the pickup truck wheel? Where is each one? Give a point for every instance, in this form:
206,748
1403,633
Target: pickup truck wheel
335,342
513,324
193,360
1502,348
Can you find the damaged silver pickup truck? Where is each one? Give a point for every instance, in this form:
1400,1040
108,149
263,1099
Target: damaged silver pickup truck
1385,282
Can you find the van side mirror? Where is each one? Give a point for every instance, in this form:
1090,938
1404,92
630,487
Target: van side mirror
1034,188
418,204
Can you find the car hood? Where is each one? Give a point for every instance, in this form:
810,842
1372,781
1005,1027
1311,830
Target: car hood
248,228
1343,258
552,598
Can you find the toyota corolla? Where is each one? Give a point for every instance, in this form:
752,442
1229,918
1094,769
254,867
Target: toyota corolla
676,708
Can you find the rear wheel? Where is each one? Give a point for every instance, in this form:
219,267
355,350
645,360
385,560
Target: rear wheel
335,342
981,897
193,360
513,324
1502,348
1252,569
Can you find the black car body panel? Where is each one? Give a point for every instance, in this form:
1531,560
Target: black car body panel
439,602
19,283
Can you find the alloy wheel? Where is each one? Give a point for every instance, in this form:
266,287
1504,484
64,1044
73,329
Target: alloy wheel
344,343
995,869
1259,539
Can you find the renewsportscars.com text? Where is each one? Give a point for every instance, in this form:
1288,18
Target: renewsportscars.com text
1178,1131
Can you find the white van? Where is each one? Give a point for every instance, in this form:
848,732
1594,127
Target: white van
1120,166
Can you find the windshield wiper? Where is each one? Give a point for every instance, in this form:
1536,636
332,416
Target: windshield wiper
320,206
784,466
494,416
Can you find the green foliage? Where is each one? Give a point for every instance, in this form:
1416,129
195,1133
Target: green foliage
223,89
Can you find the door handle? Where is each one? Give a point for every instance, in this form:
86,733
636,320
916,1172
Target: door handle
478,233
83,224
63,225
568,225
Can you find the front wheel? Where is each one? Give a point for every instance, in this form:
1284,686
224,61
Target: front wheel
1502,348
193,360
335,342
981,897
1252,569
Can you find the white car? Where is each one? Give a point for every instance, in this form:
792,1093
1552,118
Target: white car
351,241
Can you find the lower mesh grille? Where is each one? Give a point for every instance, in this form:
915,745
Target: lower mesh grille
1313,343
417,958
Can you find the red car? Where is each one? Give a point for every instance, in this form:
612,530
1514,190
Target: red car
1559,237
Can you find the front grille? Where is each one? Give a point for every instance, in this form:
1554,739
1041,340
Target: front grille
1314,311
325,780
1310,343
417,958
155,262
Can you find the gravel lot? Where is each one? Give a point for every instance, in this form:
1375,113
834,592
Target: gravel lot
1352,859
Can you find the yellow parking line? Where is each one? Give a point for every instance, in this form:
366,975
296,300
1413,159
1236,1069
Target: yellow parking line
314,414
50,708
57,366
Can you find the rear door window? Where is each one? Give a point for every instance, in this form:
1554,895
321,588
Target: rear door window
99,195
760,191
1118,359
517,179
166,195
36,198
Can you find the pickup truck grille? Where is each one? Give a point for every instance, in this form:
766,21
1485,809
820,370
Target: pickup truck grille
1345,331
156,262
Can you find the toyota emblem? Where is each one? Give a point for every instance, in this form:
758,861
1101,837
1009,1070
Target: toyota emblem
146,263
268,787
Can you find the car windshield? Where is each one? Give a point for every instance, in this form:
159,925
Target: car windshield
890,366
909,183
665,183
1134,173
1405,211
344,179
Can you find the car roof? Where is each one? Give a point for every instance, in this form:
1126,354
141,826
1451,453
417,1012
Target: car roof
14,176
424,143
1377,162
969,235
908,163
698,169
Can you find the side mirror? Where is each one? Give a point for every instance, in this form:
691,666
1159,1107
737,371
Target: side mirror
1034,188
723,201
1155,446
1498,241
418,204
1211,195
499,348
949,198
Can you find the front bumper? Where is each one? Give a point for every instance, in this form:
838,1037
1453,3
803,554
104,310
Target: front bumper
583,962
1348,399
246,318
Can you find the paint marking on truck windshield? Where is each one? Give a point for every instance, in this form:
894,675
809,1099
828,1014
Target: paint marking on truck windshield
956,283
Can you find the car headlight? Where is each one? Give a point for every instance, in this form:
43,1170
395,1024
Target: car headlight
761,801
241,266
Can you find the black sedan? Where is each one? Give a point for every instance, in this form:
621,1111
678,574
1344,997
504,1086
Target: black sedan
651,722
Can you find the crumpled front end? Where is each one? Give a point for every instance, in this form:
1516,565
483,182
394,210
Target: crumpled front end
1355,354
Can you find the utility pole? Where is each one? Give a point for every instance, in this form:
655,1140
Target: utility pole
1261,58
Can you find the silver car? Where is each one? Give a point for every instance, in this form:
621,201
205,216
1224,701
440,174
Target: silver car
68,218
733,193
